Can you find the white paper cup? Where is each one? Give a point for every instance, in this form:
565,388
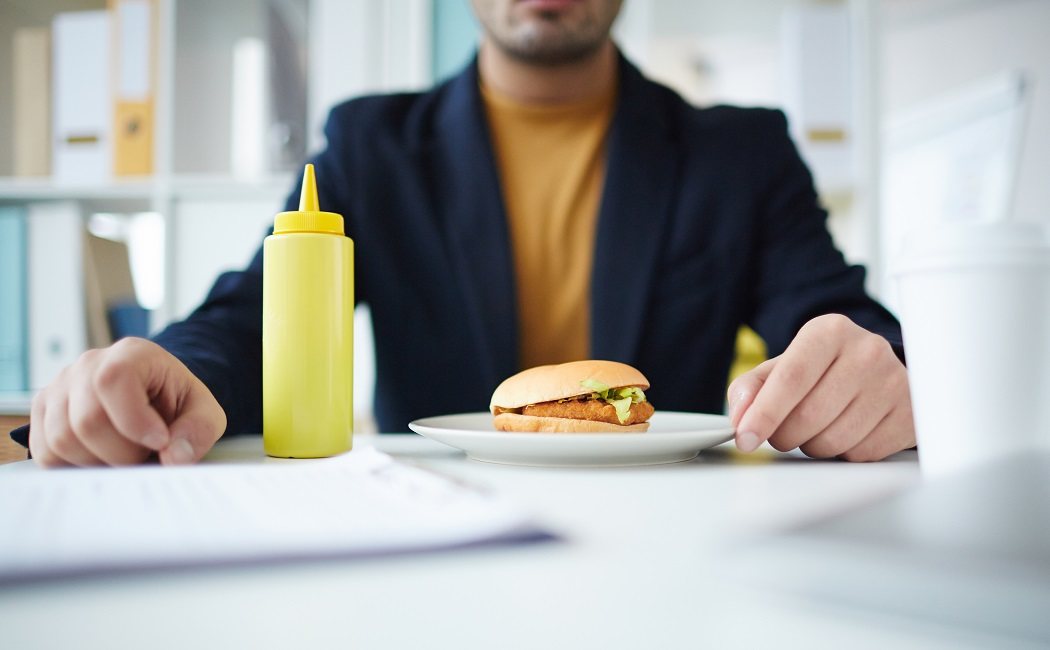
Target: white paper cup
975,314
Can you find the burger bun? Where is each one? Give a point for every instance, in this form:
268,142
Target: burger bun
534,424
563,381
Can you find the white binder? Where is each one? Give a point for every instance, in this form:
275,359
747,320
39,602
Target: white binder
82,108
57,327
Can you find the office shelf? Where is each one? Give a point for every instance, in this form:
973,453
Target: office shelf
38,189
189,186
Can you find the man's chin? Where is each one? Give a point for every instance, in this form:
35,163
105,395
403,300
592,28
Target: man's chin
551,56
550,45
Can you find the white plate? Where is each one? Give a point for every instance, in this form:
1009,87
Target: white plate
672,438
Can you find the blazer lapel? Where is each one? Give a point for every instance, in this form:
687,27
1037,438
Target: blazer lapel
641,174
474,224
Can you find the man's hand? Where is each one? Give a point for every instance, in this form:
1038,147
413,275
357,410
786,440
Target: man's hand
117,405
837,391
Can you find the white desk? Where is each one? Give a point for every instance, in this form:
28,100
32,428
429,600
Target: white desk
645,561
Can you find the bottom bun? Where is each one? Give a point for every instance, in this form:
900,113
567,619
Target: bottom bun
534,424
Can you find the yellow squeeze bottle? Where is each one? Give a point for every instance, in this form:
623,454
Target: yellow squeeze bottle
308,332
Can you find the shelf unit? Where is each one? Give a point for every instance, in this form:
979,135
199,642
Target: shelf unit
387,45
215,219
194,43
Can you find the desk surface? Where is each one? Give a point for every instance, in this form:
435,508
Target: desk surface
645,561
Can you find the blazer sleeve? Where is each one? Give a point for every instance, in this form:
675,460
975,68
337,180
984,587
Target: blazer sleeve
800,274
221,343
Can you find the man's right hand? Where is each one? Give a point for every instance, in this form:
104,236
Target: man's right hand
117,405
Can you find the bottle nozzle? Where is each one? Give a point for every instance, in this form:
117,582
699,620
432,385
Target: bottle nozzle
309,217
308,195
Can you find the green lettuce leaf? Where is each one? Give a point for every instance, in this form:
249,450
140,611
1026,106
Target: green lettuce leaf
623,408
596,386
620,398
635,393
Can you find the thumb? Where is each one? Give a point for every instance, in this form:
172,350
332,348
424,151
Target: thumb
196,427
741,393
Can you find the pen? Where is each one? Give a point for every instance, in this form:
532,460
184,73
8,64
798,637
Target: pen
21,435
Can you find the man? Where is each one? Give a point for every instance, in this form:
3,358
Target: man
547,204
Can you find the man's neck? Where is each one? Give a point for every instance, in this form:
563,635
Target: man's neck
536,84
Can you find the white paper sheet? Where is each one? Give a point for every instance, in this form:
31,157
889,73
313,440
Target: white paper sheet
362,503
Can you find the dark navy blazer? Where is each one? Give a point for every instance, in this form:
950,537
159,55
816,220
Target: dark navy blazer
708,220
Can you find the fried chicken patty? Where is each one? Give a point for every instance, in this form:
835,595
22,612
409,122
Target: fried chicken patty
585,409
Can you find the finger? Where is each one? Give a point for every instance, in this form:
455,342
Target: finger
38,448
895,433
741,395
122,386
828,400
60,438
864,415
742,391
855,423
796,372
195,429
92,427
885,391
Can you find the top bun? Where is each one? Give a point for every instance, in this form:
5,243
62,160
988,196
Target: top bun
550,383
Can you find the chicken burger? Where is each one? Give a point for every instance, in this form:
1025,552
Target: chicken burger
577,397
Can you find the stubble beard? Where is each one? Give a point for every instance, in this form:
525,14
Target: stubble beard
527,43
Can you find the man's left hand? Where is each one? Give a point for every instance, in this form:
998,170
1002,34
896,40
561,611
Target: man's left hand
838,390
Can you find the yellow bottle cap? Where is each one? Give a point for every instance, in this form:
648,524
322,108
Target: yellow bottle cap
308,218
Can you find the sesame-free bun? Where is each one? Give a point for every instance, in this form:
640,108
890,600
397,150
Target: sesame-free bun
533,424
550,383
